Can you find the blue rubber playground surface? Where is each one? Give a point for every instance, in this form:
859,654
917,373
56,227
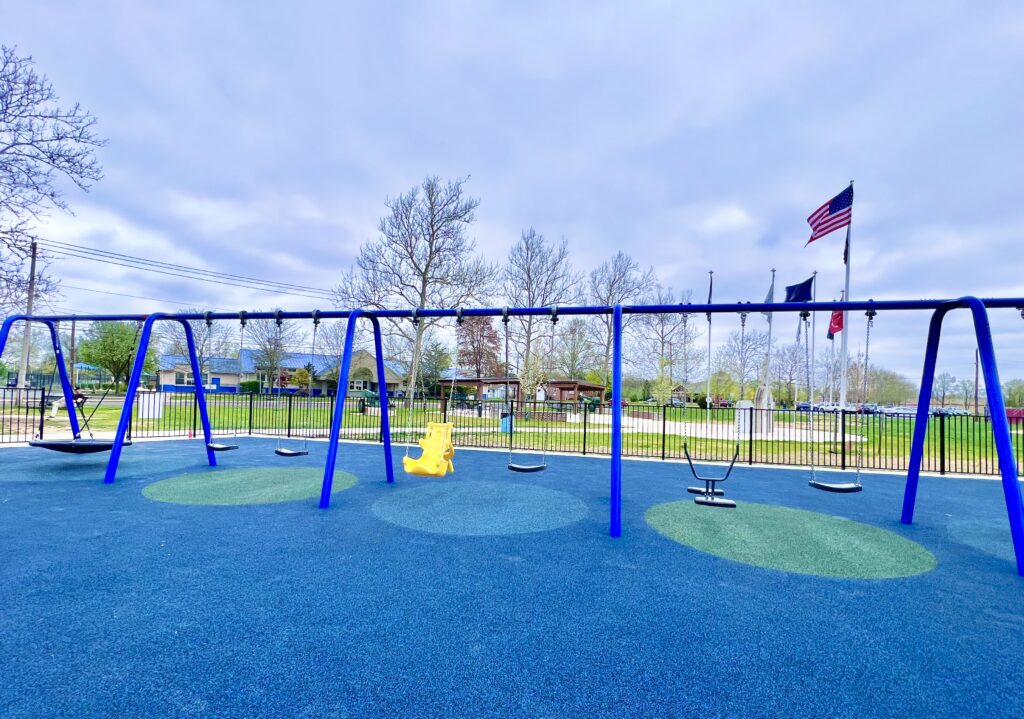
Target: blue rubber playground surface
492,594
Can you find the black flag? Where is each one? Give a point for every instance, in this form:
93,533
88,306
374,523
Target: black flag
711,286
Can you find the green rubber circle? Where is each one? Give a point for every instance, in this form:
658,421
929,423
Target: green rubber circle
479,508
791,540
250,485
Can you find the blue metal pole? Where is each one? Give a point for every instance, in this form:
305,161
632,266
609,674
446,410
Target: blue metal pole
339,411
924,400
615,520
5,330
1000,428
881,305
129,397
197,377
382,387
65,382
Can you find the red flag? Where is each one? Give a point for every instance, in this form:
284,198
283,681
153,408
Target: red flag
835,325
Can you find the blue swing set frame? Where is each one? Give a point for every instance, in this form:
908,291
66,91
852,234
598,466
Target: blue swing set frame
940,308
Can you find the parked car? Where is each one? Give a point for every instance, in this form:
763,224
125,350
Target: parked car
952,411
803,407
900,411
676,402
869,408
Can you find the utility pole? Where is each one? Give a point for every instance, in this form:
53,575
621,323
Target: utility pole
26,345
74,359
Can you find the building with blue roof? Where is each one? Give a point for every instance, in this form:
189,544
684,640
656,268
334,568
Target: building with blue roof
225,374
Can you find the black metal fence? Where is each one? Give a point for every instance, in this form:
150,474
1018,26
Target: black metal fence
22,413
838,440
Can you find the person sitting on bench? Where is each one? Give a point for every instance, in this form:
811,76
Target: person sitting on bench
80,398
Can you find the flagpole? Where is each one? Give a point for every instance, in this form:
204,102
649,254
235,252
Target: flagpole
846,318
768,354
707,397
814,335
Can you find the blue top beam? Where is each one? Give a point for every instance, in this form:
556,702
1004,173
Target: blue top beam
879,306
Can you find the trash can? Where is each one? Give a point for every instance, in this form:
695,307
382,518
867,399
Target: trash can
506,422
480,409
362,406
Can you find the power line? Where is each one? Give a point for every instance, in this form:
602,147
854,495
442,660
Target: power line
199,279
64,246
180,303
191,273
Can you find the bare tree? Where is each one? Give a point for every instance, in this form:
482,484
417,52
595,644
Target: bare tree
218,339
272,343
945,384
538,274
422,258
741,356
617,281
574,354
668,336
41,143
14,283
965,388
479,347
788,367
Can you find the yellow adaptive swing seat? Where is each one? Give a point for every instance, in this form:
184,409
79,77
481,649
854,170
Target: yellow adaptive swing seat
438,450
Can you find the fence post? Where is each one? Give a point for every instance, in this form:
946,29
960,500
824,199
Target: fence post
42,411
444,409
942,443
288,430
195,405
842,438
664,410
586,411
251,402
750,428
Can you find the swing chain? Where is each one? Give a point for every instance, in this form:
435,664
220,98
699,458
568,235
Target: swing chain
870,314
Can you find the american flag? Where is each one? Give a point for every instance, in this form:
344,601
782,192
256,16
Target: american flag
832,215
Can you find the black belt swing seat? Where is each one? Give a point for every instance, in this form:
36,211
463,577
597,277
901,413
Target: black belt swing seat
710,495
76,446
838,487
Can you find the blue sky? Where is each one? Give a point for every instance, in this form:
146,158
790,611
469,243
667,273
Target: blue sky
263,138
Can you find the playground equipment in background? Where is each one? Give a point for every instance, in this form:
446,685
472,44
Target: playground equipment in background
438,450
710,494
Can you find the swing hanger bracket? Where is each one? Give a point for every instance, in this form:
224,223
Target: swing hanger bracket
243,317
207,318
278,320
554,314
316,317
415,316
459,319
504,315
